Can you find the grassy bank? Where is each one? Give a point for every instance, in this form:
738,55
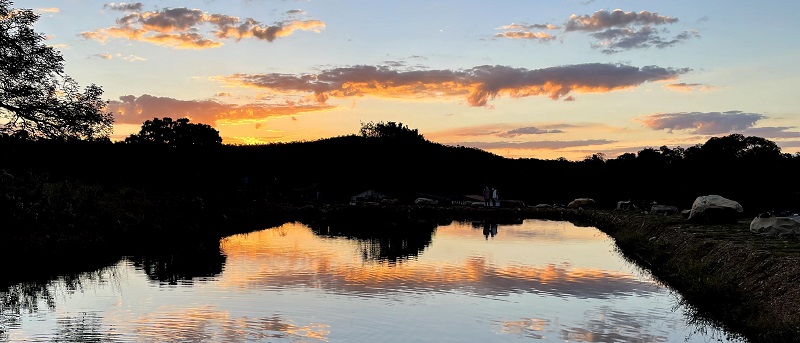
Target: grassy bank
746,282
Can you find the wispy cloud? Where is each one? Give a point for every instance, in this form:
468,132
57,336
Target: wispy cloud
529,130
477,85
689,87
498,130
540,36
129,58
133,58
772,132
523,31
130,109
104,56
181,28
48,10
529,27
545,145
704,123
124,7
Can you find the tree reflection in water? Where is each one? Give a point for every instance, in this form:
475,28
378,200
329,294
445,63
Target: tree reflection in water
392,241
181,266
33,297
184,265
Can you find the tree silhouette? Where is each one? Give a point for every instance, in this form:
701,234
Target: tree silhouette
36,97
390,130
735,147
175,133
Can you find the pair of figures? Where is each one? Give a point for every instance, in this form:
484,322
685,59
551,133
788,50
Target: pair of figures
490,198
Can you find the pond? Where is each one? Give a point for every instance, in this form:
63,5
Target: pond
544,281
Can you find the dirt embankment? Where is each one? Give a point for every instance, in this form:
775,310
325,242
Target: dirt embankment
747,282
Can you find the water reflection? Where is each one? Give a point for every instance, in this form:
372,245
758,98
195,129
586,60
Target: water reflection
387,241
197,262
540,280
209,324
291,256
85,327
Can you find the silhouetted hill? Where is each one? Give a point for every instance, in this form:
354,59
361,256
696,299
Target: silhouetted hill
749,170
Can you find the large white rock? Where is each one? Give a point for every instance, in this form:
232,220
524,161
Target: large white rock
715,209
776,226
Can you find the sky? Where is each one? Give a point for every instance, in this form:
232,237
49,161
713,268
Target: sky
521,79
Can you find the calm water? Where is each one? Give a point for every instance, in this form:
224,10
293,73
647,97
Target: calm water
543,281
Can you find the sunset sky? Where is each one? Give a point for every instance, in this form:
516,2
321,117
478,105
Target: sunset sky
543,79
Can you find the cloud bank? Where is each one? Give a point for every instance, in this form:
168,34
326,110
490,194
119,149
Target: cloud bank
614,31
476,85
181,27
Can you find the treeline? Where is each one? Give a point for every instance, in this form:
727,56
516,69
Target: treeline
400,162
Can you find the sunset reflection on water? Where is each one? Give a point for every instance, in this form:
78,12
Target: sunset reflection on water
543,280
292,256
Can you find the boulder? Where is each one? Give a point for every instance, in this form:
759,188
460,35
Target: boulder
543,206
626,205
714,209
779,226
425,201
581,203
663,209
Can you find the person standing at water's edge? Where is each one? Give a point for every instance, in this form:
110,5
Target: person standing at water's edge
495,199
487,194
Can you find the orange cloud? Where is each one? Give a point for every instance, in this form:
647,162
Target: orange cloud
181,28
478,85
49,10
132,110
603,19
528,27
541,36
523,32
269,33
